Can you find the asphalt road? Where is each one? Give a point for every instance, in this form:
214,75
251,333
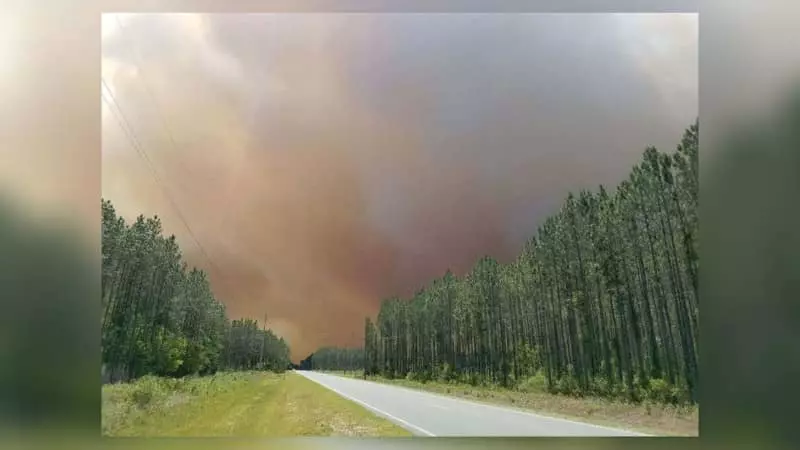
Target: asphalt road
428,414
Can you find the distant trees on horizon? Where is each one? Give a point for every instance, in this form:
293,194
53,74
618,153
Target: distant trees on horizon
334,358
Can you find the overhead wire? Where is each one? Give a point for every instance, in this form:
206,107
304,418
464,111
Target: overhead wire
164,122
130,134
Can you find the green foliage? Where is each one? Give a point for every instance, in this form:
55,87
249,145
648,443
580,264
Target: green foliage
249,347
149,394
161,318
528,359
446,373
600,387
146,389
234,404
534,383
567,385
602,301
168,351
661,391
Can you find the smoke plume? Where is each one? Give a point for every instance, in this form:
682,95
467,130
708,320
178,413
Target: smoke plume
327,161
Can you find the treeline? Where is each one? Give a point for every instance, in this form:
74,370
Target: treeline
334,358
603,300
159,317
249,348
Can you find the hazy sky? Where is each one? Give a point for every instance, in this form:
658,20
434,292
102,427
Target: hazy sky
326,161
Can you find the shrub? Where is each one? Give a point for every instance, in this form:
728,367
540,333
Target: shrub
535,383
681,396
446,373
424,376
568,385
662,391
144,390
600,387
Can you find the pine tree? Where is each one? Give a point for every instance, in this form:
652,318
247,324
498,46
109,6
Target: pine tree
161,318
603,300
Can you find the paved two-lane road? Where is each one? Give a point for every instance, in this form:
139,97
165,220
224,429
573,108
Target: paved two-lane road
428,414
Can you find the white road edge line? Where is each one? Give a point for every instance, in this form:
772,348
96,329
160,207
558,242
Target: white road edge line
368,406
507,409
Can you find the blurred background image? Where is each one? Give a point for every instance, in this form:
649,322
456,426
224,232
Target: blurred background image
328,185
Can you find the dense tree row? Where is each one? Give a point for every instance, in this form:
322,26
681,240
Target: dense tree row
333,358
249,347
603,300
161,318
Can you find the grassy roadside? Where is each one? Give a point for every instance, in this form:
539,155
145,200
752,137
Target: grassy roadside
647,418
235,404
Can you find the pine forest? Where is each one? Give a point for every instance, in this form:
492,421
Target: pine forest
602,300
161,318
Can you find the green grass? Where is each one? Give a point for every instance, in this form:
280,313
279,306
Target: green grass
648,418
235,404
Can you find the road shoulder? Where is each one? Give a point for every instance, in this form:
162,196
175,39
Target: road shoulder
647,419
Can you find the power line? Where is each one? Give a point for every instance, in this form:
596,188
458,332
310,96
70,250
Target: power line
125,125
164,123
149,91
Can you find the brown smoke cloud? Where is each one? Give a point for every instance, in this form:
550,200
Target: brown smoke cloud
325,162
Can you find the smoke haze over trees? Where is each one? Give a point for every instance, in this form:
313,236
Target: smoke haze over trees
603,300
326,161
159,317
